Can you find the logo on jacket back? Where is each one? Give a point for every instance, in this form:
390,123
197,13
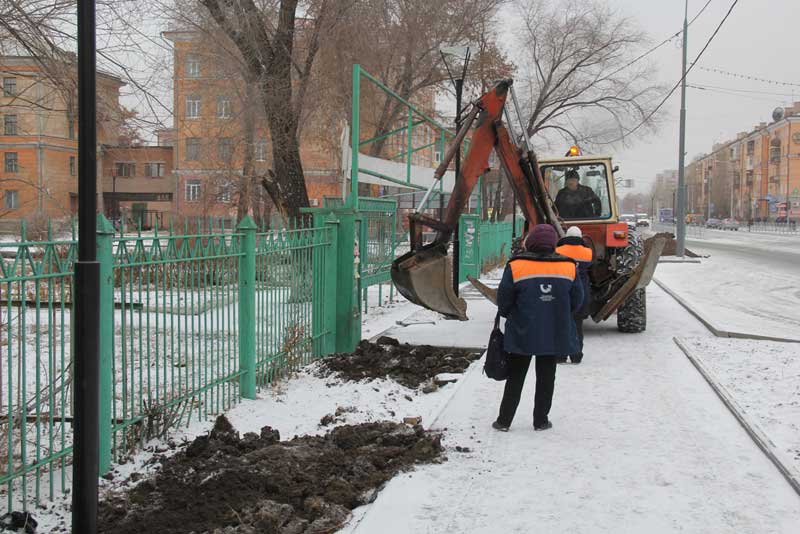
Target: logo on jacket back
546,289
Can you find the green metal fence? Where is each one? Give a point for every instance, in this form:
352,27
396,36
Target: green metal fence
36,289
191,323
484,245
173,339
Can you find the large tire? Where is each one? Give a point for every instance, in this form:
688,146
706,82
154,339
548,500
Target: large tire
632,315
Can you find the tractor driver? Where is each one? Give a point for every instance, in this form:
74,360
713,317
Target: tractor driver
576,201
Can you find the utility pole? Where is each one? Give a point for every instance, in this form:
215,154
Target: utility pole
681,215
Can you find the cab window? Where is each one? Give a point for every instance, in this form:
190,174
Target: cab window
580,191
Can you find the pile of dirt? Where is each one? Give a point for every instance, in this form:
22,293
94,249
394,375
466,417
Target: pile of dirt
257,484
410,365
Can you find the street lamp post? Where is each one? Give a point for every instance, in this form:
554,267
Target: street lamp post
462,53
86,446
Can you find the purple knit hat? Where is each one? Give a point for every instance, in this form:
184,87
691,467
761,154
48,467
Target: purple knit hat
542,236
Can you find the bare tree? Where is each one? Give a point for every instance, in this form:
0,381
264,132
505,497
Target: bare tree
579,73
266,37
398,41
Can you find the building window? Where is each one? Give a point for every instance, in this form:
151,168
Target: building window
751,147
71,126
224,109
225,193
192,149
9,86
11,199
192,190
437,156
11,162
154,170
225,149
10,124
261,150
72,165
124,169
192,107
192,67
775,154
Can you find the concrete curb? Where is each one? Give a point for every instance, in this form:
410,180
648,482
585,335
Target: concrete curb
718,332
753,430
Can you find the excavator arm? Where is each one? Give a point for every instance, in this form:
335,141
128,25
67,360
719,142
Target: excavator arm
424,275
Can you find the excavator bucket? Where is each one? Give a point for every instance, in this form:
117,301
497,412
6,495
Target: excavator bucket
641,276
425,277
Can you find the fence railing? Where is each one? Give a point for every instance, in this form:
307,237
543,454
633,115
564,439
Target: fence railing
789,228
190,324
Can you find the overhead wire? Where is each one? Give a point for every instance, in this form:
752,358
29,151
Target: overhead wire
678,84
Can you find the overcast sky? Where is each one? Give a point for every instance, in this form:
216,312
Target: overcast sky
757,40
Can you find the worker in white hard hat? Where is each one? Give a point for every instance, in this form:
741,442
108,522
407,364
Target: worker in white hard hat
573,246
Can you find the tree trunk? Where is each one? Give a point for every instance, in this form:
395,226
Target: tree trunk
244,204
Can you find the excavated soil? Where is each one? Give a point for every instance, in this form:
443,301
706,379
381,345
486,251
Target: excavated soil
410,365
256,484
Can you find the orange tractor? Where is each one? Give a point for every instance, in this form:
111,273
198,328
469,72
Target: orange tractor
621,270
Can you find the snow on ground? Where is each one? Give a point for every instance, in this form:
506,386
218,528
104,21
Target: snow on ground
640,444
764,379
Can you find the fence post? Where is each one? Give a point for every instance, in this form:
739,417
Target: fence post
348,309
331,266
247,309
105,256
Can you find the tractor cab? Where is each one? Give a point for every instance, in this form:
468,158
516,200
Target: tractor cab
582,188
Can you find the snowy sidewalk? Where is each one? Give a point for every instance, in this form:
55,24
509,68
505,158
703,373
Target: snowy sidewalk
640,444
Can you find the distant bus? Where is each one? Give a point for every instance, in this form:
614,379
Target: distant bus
665,215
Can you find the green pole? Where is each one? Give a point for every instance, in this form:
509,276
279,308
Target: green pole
355,130
348,310
409,148
105,256
331,280
247,309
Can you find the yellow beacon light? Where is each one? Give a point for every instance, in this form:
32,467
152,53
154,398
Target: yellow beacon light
574,151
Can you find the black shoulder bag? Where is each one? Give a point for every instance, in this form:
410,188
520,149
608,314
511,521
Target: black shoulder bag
496,364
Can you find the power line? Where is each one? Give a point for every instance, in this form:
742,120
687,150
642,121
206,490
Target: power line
707,86
662,43
747,77
675,87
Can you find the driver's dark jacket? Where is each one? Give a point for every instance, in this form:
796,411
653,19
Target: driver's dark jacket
582,203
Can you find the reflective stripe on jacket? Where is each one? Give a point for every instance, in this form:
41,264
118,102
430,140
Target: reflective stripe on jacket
537,296
573,247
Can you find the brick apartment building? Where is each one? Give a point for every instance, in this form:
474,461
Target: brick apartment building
751,176
139,184
211,107
38,140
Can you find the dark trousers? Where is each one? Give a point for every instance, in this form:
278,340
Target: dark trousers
578,356
545,384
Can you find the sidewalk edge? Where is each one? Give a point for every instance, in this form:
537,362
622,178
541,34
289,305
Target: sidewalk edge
755,432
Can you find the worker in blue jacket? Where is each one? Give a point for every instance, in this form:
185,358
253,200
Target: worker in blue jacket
538,294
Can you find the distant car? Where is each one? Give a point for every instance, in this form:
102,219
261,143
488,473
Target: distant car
630,219
714,223
643,222
730,224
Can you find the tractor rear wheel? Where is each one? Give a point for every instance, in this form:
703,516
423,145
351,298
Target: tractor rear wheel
632,315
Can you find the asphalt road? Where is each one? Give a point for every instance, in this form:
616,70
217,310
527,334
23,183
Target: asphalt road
772,252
